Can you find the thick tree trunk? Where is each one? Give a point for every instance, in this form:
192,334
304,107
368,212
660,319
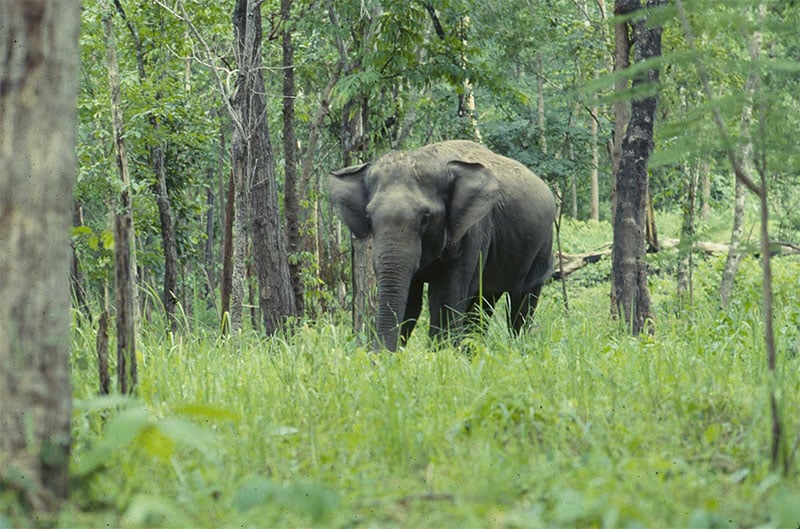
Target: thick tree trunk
275,293
628,265
290,192
125,268
39,78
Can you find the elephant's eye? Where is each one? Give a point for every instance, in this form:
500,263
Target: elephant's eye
426,217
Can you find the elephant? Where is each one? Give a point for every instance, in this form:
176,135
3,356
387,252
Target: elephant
470,223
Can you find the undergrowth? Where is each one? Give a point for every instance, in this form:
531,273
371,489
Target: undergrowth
571,424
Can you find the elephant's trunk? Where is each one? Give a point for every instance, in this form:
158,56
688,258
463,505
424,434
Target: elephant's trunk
394,280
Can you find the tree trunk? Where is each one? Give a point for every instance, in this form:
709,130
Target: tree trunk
39,78
594,181
239,230
275,293
169,244
686,244
208,254
290,192
75,274
227,258
540,104
622,51
628,266
123,228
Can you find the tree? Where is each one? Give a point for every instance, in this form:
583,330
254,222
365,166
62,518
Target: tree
39,80
629,268
255,163
291,204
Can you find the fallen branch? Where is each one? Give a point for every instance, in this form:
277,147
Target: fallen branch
569,263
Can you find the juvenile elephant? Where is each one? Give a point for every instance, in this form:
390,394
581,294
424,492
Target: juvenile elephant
457,216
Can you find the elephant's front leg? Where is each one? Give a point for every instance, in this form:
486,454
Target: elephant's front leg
449,299
413,308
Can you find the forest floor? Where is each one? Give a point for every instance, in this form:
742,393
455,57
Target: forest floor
571,424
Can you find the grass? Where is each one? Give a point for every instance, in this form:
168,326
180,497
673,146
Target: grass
573,424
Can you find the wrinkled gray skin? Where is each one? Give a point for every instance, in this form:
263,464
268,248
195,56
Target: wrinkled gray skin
438,215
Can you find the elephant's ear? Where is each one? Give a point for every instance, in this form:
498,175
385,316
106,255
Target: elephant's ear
473,194
349,196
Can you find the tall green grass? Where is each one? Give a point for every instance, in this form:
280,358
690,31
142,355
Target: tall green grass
572,424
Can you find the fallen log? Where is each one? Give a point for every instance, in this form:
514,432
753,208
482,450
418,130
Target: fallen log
566,263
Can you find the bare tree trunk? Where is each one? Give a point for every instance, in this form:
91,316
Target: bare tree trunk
275,293
290,192
622,51
39,59
227,258
239,231
75,274
628,265
123,229
169,244
540,103
686,245
101,344
208,254
594,180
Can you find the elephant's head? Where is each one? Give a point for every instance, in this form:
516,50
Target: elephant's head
414,205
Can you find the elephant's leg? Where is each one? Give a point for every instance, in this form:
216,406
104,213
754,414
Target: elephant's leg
447,312
480,311
413,308
523,306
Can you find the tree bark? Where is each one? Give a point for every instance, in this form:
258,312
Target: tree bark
123,228
594,180
290,192
75,273
628,266
168,240
622,51
39,61
275,293
685,261
227,258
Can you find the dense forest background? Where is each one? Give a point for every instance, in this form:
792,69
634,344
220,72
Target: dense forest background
344,82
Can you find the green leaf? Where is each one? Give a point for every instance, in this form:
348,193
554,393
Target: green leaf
119,433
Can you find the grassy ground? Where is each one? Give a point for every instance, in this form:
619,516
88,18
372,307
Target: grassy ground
573,424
